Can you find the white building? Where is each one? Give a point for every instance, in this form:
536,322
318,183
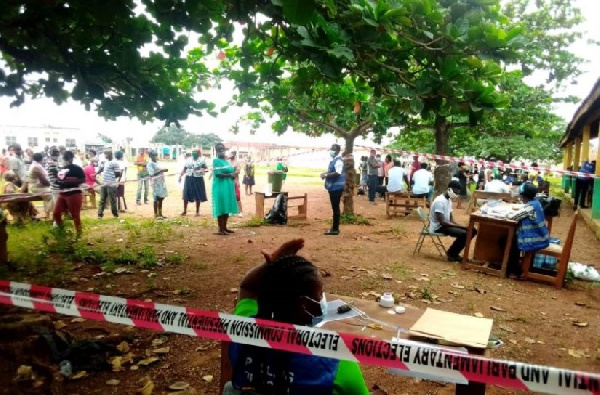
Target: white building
38,137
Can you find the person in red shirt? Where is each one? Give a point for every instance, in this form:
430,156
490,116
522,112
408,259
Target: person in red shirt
91,181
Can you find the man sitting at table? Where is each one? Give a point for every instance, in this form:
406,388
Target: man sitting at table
496,186
441,221
532,233
396,178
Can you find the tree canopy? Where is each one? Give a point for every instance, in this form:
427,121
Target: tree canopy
174,135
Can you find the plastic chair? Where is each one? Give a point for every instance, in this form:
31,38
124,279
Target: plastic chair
435,237
563,253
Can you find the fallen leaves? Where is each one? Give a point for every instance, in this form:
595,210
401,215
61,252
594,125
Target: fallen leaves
529,340
113,382
25,372
76,320
148,361
157,342
117,364
208,378
147,386
58,325
478,315
123,347
164,350
480,290
387,276
179,386
375,326
496,308
580,324
457,286
576,353
79,375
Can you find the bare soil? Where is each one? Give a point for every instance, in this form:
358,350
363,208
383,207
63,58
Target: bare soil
536,323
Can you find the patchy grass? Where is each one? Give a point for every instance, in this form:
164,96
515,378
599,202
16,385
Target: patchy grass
253,222
401,271
150,230
353,219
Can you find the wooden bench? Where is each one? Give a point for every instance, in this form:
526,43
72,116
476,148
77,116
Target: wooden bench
507,197
402,203
300,202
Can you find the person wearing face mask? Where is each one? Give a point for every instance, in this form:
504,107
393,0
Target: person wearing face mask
441,221
224,202
287,288
335,182
281,167
194,189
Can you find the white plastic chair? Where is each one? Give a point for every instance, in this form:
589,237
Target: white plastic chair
435,237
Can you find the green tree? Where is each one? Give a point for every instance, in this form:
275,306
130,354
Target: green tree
204,141
95,52
170,135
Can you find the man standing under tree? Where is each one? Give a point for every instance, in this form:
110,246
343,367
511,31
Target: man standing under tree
111,172
373,180
335,181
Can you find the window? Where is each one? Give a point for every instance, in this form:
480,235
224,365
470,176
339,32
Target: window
47,139
11,140
71,143
32,141
55,140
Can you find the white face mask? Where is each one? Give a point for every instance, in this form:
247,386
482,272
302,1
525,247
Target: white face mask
332,153
451,194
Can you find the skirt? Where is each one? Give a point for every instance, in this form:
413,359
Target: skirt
194,189
248,180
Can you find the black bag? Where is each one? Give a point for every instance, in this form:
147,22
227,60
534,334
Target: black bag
278,214
550,205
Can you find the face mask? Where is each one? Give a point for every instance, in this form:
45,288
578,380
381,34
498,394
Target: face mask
332,153
323,303
195,156
451,194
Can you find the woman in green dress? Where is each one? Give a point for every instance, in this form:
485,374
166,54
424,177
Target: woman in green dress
224,202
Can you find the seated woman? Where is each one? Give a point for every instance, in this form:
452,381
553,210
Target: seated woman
287,288
19,211
532,233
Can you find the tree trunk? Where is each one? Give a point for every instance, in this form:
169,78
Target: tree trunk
441,175
348,196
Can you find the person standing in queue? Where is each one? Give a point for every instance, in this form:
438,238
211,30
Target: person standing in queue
69,179
159,184
224,202
373,166
335,182
193,187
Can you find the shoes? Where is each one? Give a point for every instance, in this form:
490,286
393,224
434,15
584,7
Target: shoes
373,203
456,258
146,202
138,203
332,232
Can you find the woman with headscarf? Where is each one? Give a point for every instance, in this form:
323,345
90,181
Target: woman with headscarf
224,202
159,185
194,189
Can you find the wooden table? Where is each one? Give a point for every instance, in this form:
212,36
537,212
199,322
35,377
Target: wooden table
260,198
492,234
404,321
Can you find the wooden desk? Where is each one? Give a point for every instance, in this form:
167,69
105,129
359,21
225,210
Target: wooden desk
404,321
488,246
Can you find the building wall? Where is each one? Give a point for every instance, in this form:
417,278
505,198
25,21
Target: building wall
37,138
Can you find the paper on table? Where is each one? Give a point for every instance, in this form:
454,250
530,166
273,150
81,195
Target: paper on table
464,330
332,314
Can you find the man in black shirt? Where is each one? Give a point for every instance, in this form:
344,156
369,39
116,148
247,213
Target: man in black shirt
70,179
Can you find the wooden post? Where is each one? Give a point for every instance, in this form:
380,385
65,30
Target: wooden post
585,144
577,154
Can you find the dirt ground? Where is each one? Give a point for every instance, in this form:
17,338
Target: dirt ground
536,322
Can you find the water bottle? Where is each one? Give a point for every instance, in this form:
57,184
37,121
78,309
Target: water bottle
66,369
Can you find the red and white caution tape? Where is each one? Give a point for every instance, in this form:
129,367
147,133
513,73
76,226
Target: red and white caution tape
403,355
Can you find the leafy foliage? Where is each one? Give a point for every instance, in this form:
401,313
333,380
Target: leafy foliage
174,135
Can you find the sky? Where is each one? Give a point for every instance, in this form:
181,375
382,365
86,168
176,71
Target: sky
41,112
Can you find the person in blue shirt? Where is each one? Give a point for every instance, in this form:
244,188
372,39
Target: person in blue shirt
287,288
532,233
335,182
582,185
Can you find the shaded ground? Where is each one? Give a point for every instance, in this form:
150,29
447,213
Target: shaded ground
536,324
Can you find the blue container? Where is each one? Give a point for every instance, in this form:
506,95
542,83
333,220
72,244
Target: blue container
545,261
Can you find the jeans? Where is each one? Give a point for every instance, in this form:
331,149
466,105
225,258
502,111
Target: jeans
460,236
145,183
111,194
334,198
373,182
581,191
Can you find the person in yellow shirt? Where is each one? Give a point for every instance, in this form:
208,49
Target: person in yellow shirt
142,176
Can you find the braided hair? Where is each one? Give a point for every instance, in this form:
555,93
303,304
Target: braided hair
286,280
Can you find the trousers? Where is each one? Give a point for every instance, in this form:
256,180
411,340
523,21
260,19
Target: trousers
460,240
334,198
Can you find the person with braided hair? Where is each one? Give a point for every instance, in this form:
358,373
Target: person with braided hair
287,288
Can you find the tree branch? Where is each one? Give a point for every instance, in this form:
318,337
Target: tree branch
331,126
